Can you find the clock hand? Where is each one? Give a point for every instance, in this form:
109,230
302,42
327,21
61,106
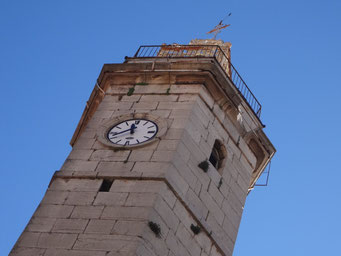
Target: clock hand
132,128
116,133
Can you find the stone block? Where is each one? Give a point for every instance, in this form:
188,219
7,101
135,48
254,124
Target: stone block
168,196
129,228
53,211
114,105
53,240
110,155
131,98
175,245
114,166
151,88
196,205
235,203
175,105
140,155
109,99
118,89
237,190
203,240
70,226
87,212
122,112
196,130
219,113
76,184
80,154
106,242
164,229
80,198
142,250
88,133
183,215
79,165
242,183
205,147
230,229
239,169
168,144
100,226
103,114
188,97
180,113
166,213
219,235
203,111
24,251
193,147
179,123
214,175
214,209
63,252
246,164
216,194
141,199
184,170
197,187
145,105
151,167
95,122
231,128
28,239
186,238
176,181
111,198
186,88
38,224
216,125
162,156
84,143
173,134
136,186
161,98
206,97
250,157
215,252
55,197
199,173
231,214
161,113
183,151
126,213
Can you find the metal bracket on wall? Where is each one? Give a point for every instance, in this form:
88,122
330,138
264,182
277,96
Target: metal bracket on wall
264,177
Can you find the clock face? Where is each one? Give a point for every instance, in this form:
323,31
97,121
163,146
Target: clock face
132,132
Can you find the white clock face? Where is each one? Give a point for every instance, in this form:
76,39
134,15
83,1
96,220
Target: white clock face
132,132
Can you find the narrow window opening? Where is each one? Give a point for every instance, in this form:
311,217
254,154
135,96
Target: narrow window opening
106,185
218,155
214,158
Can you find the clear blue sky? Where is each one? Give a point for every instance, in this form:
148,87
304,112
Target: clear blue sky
288,52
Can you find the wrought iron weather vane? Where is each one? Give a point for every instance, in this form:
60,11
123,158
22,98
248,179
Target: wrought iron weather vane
217,29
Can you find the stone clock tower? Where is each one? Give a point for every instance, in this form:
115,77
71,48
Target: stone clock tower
168,147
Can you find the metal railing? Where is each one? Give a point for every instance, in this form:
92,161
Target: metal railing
199,51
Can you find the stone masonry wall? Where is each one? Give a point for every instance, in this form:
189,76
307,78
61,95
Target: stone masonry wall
160,182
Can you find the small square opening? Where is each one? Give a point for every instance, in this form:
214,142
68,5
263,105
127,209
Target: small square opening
106,185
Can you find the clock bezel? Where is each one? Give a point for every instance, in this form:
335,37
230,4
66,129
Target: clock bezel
108,125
